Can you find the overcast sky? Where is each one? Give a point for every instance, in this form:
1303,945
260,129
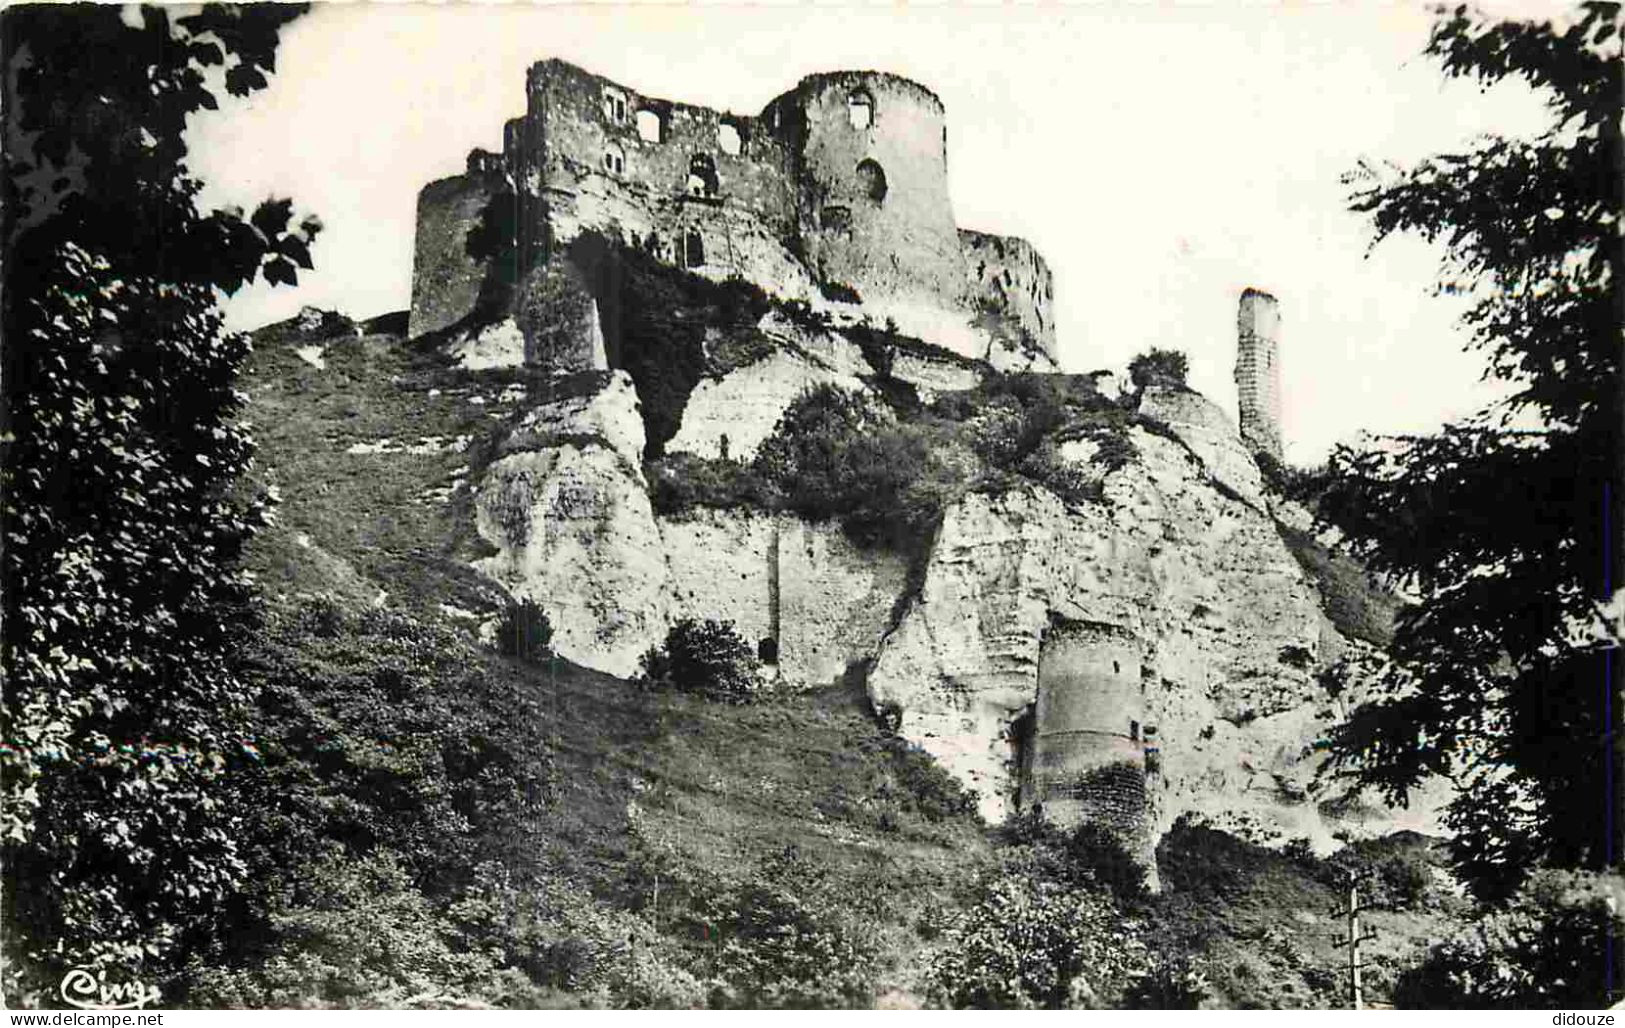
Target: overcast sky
1161,157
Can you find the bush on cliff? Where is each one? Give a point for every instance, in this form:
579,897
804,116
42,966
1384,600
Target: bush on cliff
525,631
837,453
1159,367
787,937
706,658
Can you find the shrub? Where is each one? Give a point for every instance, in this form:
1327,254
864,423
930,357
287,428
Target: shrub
525,631
839,292
787,940
1038,944
680,482
1158,367
934,793
1171,983
706,658
1101,851
1556,945
837,453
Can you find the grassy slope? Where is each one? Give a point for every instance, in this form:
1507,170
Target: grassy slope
722,786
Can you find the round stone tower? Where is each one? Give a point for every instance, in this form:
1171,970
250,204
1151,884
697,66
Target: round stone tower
1088,741
1258,372
870,151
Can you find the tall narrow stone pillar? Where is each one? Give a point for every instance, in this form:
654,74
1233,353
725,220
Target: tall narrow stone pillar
1258,372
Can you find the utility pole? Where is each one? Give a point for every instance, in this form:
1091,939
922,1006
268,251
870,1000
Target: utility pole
1354,937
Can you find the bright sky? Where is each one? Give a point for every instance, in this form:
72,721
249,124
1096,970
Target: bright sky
1161,157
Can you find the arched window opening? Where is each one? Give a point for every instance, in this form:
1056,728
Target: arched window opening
702,175
614,159
767,650
860,109
650,127
728,139
1134,731
693,250
614,106
872,180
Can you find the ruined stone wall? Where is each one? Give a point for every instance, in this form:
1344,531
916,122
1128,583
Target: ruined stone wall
1088,758
697,188
1258,371
1009,279
446,282
873,185
823,601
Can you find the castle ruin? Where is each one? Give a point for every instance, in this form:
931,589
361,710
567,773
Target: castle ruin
837,192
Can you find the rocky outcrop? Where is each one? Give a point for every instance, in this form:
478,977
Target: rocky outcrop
1197,579
568,512
574,530
1167,620
1202,426
741,408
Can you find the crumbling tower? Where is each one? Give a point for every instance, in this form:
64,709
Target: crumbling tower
1088,759
1258,372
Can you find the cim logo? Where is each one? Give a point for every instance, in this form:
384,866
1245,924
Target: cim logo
90,990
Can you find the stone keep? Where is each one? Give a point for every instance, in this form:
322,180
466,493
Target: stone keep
837,190
1258,372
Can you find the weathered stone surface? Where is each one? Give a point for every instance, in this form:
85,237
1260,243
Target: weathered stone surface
1199,580
1203,427
558,318
744,406
1213,695
574,531
497,345
1008,278
609,414
446,281
825,602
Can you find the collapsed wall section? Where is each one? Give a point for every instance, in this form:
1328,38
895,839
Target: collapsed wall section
446,280
1011,284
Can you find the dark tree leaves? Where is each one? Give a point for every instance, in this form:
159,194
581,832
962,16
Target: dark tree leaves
1510,538
124,512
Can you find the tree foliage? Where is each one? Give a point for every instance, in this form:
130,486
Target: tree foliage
1509,536
1555,945
123,519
